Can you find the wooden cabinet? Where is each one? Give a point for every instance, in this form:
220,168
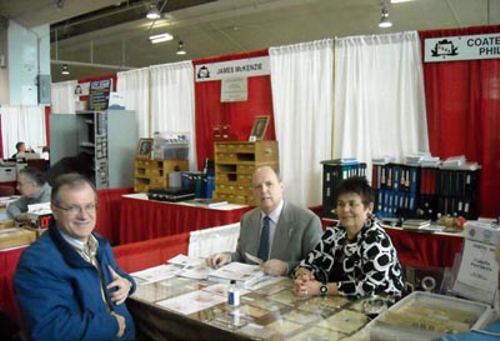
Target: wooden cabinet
235,163
154,173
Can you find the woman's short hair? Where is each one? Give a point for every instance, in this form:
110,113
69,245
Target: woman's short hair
357,185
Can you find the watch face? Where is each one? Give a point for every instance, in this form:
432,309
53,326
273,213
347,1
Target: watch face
323,289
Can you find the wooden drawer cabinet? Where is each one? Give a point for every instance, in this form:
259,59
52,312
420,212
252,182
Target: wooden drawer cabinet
235,163
154,173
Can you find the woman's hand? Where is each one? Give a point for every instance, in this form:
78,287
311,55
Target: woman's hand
305,285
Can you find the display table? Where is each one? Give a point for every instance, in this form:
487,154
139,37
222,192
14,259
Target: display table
198,311
143,219
436,249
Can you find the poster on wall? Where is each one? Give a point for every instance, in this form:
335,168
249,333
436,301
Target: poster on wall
99,94
234,90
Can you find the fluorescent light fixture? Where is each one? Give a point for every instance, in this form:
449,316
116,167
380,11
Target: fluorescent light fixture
399,1
160,38
384,20
65,70
180,48
153,13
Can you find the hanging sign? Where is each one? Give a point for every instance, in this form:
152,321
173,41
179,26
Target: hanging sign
240,68
446,49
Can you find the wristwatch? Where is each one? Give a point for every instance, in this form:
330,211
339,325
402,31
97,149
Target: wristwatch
323,289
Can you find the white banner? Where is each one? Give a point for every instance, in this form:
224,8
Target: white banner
240,68
483,46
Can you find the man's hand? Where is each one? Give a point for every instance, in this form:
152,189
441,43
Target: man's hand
121,324
218,259
22,217
123,285
275,267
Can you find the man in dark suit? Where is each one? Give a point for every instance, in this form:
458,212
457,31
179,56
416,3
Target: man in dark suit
278,232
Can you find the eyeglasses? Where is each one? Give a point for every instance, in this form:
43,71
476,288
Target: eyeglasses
75,209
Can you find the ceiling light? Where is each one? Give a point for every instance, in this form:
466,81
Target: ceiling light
384,20
180,48
65,70
153,13
160,38
399,1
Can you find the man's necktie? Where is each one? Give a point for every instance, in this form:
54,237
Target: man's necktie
264,240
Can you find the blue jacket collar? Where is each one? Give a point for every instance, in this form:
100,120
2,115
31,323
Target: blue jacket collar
68,252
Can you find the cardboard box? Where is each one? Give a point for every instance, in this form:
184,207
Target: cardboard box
37,231
16,237
8,223
8,174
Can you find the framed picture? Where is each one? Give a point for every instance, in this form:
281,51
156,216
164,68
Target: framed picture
144,148
259,128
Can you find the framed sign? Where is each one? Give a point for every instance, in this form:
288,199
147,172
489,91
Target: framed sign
144,148
259,128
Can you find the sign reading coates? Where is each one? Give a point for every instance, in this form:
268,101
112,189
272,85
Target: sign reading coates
240,68
446,49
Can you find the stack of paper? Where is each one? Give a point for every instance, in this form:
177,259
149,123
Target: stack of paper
243,274
383,160
416,224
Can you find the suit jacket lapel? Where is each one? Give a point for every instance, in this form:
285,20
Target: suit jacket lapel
283,233
254,237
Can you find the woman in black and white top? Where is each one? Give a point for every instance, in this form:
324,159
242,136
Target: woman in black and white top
355,258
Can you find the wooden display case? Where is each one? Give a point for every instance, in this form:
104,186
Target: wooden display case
154,173
235,163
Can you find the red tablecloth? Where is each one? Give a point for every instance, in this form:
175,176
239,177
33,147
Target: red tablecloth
425,249
144,219
8,263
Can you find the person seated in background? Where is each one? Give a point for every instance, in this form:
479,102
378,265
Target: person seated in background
33,188
278,232
20,150
355,258
67,284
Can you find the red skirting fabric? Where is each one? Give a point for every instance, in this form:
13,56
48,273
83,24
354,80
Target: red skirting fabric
142,255
108,212
144,219
8,264
425,249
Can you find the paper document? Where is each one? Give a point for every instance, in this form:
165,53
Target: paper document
254,259
157,273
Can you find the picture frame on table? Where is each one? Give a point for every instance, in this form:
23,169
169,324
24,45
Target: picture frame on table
259,128
144,148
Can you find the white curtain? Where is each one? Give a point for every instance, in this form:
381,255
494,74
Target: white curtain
206,242
23,123
302,88
134,86
63,97
172,101
379,97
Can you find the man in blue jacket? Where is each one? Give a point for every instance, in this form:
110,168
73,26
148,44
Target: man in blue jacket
67,284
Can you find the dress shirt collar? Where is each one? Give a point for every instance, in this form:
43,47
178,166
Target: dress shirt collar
274,215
